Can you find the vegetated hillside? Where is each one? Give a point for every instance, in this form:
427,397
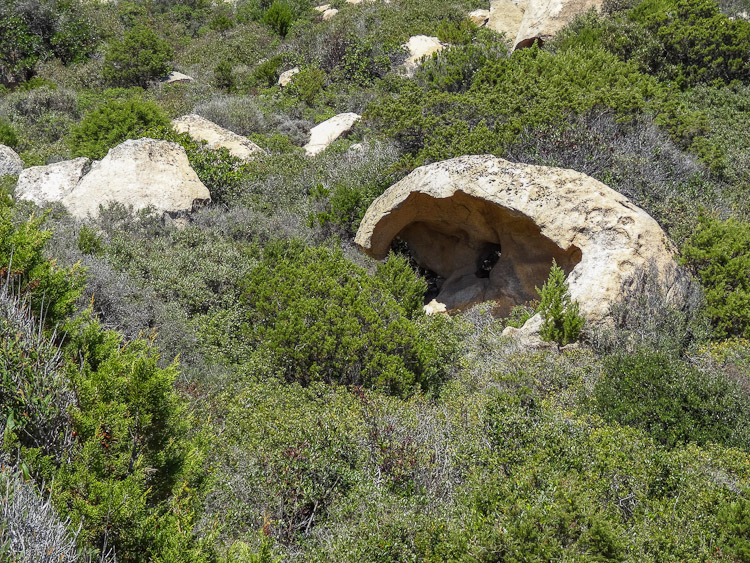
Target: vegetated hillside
249,387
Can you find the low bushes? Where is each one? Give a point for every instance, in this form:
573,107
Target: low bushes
113,123
138,59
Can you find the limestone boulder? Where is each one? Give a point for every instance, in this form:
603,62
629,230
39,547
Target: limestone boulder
479,17
488,230
52,183
322,8
420,46
506,17
216,137
543,18
10,163
329,14
323,134
139,173
286,76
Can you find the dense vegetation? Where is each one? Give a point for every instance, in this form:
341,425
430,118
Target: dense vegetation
246,386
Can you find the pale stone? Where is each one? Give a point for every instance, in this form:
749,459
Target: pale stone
201,129
490,229
434,307
420,46
323,134
479,17
328,14
175,77
505,17
286,76
542,19
10,163
322,8
51,183
139,173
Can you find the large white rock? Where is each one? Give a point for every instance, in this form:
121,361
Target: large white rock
10,163
286,76
49,184
420,46
490,229
216,137
543,18
323,134
506,17
139,173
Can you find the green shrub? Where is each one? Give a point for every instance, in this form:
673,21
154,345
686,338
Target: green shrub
279,17
700,43
562,321
8,134
672,400
358,332
267,73
223,78
37,30
735,521
23,264
455,32
89,242
138,59
719,253
113,123
307,84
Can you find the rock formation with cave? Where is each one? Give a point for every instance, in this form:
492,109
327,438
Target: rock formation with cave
489,229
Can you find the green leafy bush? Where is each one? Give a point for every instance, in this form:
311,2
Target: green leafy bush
700,43
719,253
223,76
113,123
31,32
672,400
267,72
8,134
23,264
735,520
307,84
138,59
562,321
279,17
321,318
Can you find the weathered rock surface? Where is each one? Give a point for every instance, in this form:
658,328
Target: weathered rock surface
322,8
175,77
489,229
286,76
506,17
479,17
10,163
543,18
51,183
420,46
323,134
139,173
216,137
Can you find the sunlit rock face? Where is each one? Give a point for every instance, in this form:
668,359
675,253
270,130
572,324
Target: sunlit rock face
489,229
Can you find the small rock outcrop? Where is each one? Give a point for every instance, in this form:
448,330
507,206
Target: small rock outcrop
488,229
420,46
543,18
323,134
139,173
51,183
479,17
286,76
10,163
175,77
216,137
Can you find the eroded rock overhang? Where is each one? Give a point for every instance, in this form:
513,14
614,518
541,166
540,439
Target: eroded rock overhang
489,229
